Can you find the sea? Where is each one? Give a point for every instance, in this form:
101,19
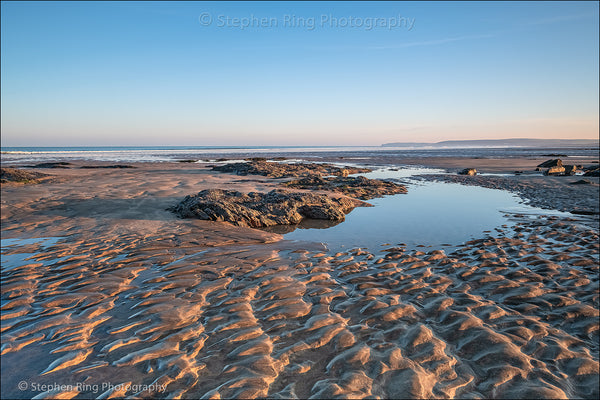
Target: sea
16,155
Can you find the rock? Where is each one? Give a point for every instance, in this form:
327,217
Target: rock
277,207
518,172
558,170
592,171
468,171
571,169
256,159
557,162
322,212
282,170
59,164
15,175
585,212
107,166
358,187
581,182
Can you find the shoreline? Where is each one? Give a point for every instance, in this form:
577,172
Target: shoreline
442,158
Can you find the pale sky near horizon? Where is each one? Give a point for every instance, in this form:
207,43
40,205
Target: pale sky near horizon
317,73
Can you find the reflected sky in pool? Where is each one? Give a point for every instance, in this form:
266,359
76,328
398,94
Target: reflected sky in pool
9,261
400,172
431,214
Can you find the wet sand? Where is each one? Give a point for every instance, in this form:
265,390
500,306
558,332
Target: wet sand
130,295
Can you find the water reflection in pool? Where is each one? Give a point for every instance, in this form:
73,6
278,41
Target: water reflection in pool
400,172
432,214
9,261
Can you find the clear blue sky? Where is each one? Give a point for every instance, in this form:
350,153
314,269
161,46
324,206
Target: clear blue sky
158,73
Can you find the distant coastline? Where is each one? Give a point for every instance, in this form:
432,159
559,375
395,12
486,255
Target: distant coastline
501,143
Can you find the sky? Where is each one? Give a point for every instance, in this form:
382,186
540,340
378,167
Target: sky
316,73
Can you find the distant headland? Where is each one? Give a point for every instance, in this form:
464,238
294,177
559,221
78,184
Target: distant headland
501,143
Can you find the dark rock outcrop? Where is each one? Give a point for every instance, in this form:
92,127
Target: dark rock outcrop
468,171
584,212
571,169
16,175
581,182
557,168
277,207
283,170
59,164
358,187
119,166
256,159
592,171
557,162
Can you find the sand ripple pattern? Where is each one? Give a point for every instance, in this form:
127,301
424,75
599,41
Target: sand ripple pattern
511,315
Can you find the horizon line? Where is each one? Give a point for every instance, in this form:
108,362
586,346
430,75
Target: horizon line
594,141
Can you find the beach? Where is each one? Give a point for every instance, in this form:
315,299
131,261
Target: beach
107,294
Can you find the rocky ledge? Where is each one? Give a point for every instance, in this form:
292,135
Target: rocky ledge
556,167
16,175
282,170
116,166
277,207
542,191
59,164
358,187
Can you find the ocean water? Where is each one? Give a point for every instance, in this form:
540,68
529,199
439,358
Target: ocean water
145,153
18,155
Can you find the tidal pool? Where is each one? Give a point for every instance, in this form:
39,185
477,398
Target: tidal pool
400,172
9,261
431,214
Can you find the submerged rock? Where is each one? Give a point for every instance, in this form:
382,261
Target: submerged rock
358,187
468,171
277,207
282,170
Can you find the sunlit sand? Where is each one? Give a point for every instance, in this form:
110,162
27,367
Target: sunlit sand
109,294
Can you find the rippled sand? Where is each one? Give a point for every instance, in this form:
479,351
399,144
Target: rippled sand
207,310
